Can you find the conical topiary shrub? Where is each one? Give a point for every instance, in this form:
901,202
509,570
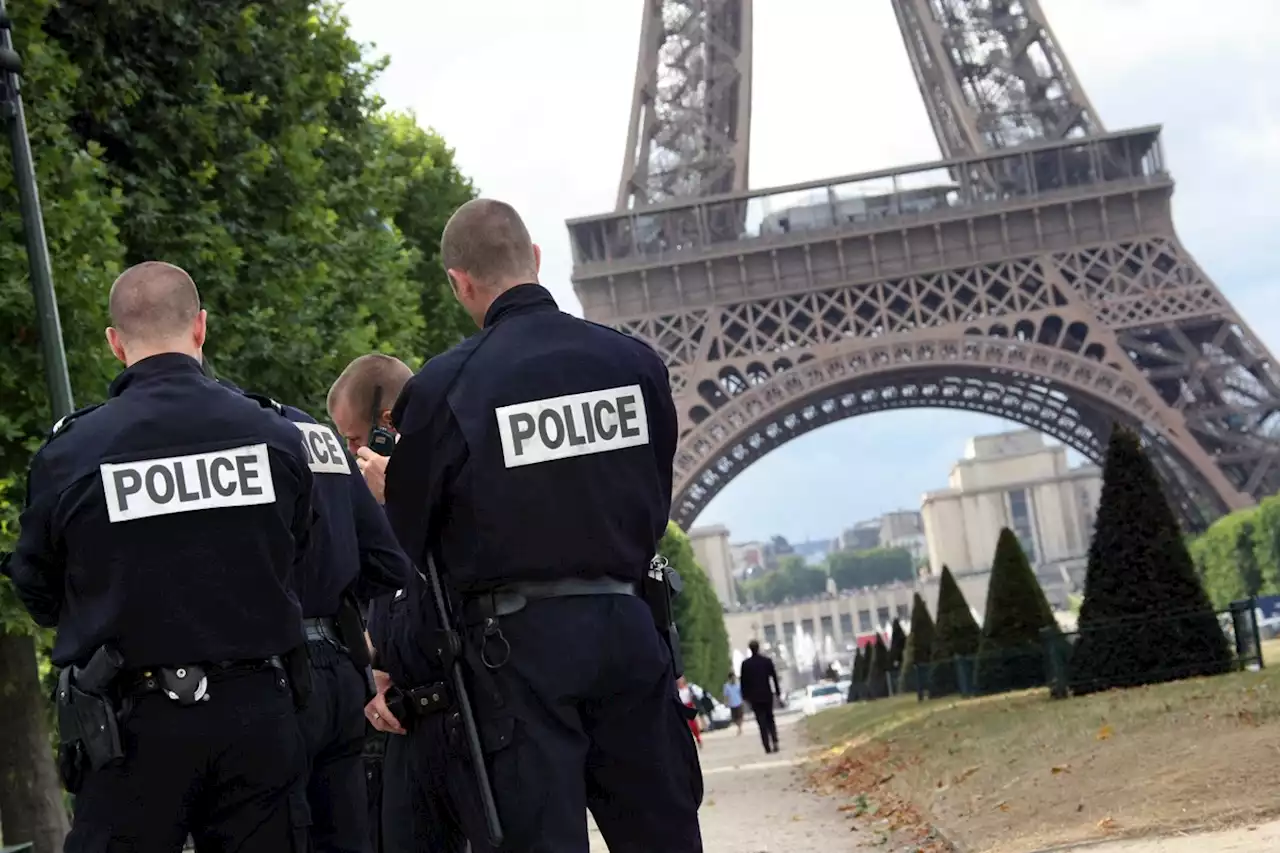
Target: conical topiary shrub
1141,574
919,644
955,635
877,688
857,676
897,646
1011,652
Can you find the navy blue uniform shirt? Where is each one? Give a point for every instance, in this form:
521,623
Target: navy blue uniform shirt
167,521
353,548
538,449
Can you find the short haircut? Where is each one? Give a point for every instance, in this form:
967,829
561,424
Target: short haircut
153,301
488,240
358,384
753,646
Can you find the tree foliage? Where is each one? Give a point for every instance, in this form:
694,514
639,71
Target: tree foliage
956,634
874,567
704,642
1011,652
897,646
919,648
1239,555
242,141
877,687
1145,616
793,579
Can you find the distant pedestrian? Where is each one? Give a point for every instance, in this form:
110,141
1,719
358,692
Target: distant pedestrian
758,674
733,698
686,696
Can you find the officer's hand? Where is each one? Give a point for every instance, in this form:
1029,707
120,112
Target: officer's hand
374,468
377,712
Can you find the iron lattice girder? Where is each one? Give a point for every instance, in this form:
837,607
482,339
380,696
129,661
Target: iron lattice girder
1033,274
691,107
1079,259
992,75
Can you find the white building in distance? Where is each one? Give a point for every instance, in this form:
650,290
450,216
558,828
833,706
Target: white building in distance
712,551
1011,480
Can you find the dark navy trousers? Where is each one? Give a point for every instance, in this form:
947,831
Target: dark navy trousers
334,725
230,771
582,713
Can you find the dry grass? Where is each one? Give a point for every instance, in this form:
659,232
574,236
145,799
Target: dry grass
1022,772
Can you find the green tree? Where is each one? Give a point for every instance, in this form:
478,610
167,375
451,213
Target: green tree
794,578
877,688
919,643
875,567
79,211
704,643
242,139
1011,652
897,647
1145,616
956,635
857,675
1267,544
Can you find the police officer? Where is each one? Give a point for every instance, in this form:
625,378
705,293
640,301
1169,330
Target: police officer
354,558
535,467
160,537
416,815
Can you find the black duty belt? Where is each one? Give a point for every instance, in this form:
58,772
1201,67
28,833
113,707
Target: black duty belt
512,598
323,629
146,680
417,701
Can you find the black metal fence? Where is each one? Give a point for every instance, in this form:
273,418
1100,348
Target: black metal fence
1151,650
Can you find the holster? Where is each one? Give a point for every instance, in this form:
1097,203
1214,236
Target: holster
351,627
88,729
297,668
661,583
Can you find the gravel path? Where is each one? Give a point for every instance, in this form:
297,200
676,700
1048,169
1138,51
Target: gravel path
1262,838
753,802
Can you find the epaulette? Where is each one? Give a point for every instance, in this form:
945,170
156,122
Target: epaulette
266,402
66,420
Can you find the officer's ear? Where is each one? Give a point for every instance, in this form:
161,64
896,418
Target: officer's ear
537,259
117,347
199,328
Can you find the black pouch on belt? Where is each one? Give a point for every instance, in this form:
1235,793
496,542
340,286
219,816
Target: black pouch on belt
351,628
297,668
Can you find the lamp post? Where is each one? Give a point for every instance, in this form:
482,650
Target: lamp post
24,174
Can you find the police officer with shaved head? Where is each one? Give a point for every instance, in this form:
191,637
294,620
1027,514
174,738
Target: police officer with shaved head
160,537
534,469
354,559
413,811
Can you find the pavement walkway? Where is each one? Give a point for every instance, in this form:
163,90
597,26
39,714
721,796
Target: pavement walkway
1262,838
753,802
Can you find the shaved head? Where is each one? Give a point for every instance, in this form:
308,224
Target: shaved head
371,381
153,302
155,308
487,240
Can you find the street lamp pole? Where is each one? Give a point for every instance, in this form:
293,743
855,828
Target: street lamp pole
24,174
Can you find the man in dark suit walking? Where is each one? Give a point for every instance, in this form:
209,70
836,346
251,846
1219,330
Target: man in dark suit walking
756,676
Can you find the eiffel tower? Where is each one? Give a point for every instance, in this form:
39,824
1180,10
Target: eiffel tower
1034,273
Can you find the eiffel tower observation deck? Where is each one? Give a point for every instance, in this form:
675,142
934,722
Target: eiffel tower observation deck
1034,274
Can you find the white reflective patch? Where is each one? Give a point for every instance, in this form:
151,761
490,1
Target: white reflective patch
573,425
324,451
225,478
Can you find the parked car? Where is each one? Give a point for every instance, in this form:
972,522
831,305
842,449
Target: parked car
820,696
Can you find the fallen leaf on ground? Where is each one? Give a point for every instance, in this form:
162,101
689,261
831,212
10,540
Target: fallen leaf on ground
1107,824
1105,732
1065,768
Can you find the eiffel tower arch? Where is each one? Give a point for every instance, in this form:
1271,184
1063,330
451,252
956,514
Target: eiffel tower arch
1034,273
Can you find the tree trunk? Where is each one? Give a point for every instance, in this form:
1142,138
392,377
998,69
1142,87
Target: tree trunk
31,805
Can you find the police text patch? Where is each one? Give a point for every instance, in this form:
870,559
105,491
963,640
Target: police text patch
324,452
224,478
573,425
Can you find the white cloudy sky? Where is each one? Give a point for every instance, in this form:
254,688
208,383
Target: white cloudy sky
535,97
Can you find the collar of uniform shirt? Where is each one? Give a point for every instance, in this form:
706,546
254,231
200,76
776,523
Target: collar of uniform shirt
518,299
165,363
